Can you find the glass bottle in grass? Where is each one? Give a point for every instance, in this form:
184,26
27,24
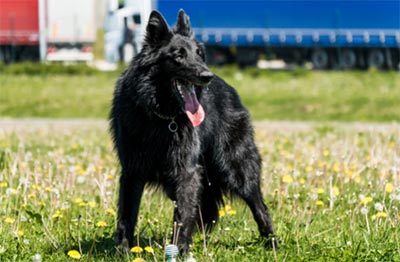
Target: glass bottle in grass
171,252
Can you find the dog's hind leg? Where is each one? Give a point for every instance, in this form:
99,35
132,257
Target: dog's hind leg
251,194
130,193
244,181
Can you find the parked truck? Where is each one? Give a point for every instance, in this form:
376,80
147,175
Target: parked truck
331,33
47,30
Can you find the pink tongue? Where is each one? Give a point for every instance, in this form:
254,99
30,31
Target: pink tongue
194,110
197,117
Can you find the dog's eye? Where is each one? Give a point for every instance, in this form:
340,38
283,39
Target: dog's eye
180,55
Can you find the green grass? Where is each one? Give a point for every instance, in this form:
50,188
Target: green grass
373,96
57,182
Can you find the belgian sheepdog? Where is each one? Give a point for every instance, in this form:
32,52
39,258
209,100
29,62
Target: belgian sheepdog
178,126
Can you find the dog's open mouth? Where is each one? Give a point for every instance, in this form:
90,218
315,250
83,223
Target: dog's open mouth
193,108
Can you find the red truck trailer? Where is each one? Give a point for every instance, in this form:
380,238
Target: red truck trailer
47,30
19,30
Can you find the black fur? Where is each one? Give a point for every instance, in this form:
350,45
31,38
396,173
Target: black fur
194,165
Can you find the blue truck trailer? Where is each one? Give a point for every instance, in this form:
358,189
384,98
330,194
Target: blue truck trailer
330,33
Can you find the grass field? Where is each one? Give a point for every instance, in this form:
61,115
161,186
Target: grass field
301,95
333,192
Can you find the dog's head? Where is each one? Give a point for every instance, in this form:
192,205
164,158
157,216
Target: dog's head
181,61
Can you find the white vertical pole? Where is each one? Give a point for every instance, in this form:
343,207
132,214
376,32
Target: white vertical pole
42,30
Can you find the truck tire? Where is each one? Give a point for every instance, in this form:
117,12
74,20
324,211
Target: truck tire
320,59
347,59
246,57
376,59
2,60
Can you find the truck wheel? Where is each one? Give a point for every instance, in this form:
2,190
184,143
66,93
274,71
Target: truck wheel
128,52
247,57
347,59
376,59
320,59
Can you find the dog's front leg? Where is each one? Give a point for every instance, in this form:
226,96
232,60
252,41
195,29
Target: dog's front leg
130,193
188,190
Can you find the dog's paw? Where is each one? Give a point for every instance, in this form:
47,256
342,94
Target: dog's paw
123,245
271,242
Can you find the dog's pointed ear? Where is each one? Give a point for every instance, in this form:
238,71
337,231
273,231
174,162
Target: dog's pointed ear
182,26
157,31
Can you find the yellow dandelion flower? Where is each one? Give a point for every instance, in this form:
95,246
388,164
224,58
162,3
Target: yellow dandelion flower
20,233
290,167
319,203
320,190
35,187
13,191
9,220
231,212
136,249
57,214
78,200
47,189
335,190
82,204
41,203
336,167
326,152
32,196
101,224
110,177
366,200
80,171
287,179
357,179
149,249
3,184
92,204
74,254
110,211
221,212
309,169
138,259
302,181
381,214
389,188
24,205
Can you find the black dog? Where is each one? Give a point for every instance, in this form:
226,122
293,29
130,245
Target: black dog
177,125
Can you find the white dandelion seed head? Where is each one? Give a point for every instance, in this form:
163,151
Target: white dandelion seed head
364,210
398,197
37,258
378,207
80,179
313,196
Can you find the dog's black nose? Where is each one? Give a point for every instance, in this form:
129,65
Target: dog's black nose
206,76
